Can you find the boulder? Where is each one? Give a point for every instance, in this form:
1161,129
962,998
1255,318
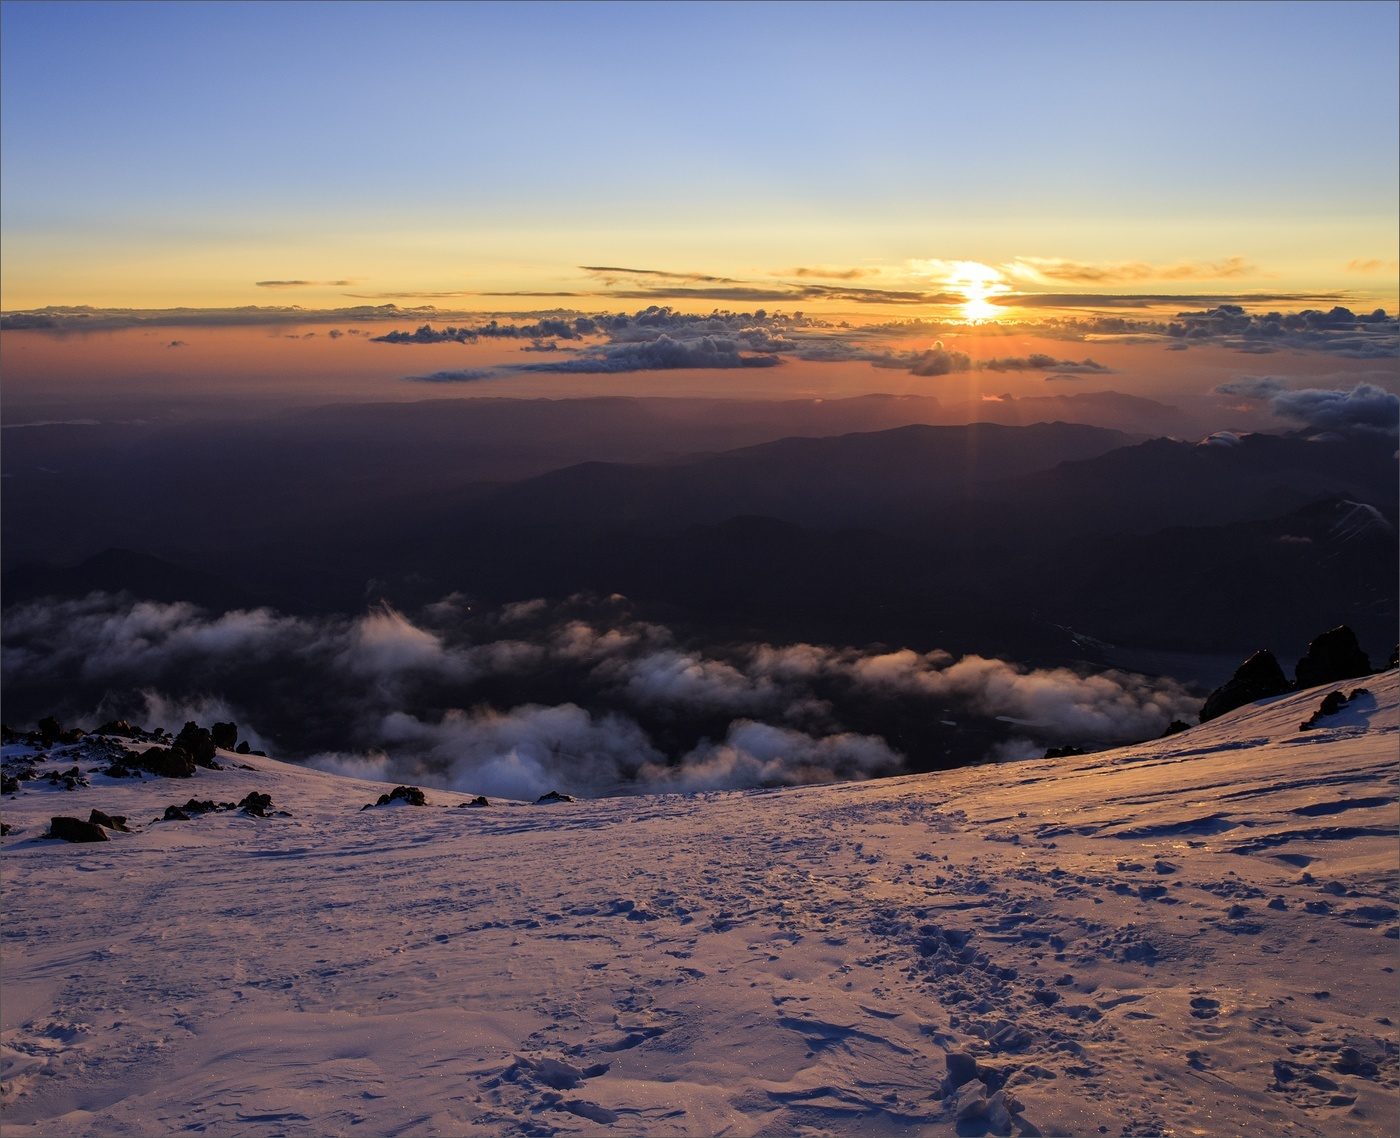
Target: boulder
225,735
1333,656
49,731
111,821
1257,678
961,1068
76,830
479,800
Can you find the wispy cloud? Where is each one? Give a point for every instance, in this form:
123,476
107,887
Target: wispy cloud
1056,270
612,273
1372,265
408,295
828,273
303,284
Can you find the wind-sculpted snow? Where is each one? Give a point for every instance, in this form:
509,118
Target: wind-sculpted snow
1193,935
582,695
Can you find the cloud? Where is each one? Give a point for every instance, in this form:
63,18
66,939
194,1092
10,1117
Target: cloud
760,754
1040,361
447,295
385,642
938,360
828,273
1372,265
676,678
562,328
524,752
1047,269
303,284
1366,409
78,318
455,375
576,694
660,354
612,273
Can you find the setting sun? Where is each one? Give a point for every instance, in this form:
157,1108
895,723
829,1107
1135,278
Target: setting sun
979,283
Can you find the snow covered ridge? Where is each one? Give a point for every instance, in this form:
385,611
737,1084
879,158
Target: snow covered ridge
1195,935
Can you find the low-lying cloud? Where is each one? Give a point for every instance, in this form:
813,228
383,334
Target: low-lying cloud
1365,408
578,695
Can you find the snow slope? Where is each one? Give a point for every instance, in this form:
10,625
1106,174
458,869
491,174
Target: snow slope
1193,936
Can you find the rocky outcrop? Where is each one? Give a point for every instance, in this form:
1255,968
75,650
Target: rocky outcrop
171,762
1257,678
198,743
1332,657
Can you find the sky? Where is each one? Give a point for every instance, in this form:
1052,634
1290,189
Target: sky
862,157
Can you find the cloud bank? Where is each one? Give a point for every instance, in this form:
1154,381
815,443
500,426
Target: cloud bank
1366,409
579,695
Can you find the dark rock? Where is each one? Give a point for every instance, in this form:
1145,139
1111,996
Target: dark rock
5,828
962,1068
1394,661
175,814
119,770
256,804
71,734
198,744
120,727
8,734
9,785
1066,752
242,747
1333,656
225,735
111,821
479,800
166,762
1175,727
49,731
1257,678
70,779
1332,703
410,794
76,830
553,796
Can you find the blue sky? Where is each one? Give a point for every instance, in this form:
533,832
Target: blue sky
807,131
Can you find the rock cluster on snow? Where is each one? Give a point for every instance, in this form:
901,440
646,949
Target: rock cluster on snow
409,794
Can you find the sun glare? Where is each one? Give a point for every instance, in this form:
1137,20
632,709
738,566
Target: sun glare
978,283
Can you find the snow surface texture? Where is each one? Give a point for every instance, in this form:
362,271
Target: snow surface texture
1192,936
